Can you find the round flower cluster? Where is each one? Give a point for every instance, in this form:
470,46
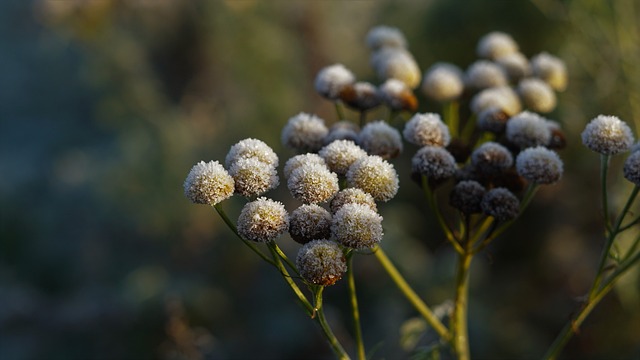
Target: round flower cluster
263,220
309,222
253,166
427,130
313,183
607,135
208,183
321,262
374,175
304,132
332,80
379,138
357,226
340,155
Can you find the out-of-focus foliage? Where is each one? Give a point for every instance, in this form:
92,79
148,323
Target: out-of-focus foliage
105,105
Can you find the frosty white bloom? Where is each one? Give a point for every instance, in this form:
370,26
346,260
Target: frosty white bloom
299,160
398,96
427,130
332,79
491,158
361,96
396,63
515,65
550,69
492,119
501,204
443,82
357,226
263,220
380,138
253,177
607,135
434,162
208,183
539,165
340,154
342,130
309,222
304,132
496,44
537,95
385,36
352,196
251,148
321,262
631,168
312,183
484,74
466,196
528,129
374,175
502,97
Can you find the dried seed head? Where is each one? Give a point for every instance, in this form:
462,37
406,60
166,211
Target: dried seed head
607,135
208,183
443,82
434,162
361,96
309,222
427,130
374,175
385,36
466,196
304,133
396,63
398,96
312,183
491,158
515,65
550,69
253,177
251,148
496,44
299,160
528,129
263,220
321,262
357,226
331,80
484,74
501,204
379,138
631,168
503,98
352,196
539,165
340,154
537,95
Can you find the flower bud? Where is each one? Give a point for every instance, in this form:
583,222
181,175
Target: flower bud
539,165
352,196
312,183
434,162
427,130
501,204
253,177
496,44
466,196
537,95
340,155
484,74
528,129
331,80
299,160
491,158
443,82
550,69
251,148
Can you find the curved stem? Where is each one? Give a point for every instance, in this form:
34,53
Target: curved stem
294,287
339,110
459,326
431,199
354,308
286,259
411,295
326,329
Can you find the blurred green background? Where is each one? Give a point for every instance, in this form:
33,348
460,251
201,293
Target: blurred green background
106,104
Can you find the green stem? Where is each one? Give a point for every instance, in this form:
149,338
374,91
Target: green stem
410,294
363,118
354,308
431,199
339,110
285,275
604,169
459,327
326,329
451,117
286,259
632,249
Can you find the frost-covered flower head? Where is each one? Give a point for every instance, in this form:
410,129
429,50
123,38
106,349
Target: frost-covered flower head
484,74
309,222
253,177
466,196
251,148
398,96
491,158
537,95
352,196
299,160
493,120
380,138
263,220
551,69
427,130
528,129
385,36
374,175
434,162
397,63
361,96
443,82
331,80
515,65
502,97
501,204
312,183
321,262
208,183
607,135
340,154
357,226
304,132
631,168
539,165
342,130
496,44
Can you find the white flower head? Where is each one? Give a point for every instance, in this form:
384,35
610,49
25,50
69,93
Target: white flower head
331,80
539,165
253,177
551,69
357,226
208,183
304,132
263,220
434,162
309,222
321,262
528,129
374,175
427,129
496,44
313,183
502,97
607,135
299,160
340,154
443,82
484,74
380,138
251,148
385,36
396,63
537,95
515,65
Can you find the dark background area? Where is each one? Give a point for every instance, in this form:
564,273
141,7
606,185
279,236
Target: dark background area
105,105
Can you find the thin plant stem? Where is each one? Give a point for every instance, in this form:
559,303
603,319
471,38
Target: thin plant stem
632,249
326,329
431,199
339,110
294,287
604,169
451,117
459,327
411,295
363,118
353,297
233,228
286,259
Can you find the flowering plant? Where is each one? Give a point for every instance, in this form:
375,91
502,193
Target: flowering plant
489,164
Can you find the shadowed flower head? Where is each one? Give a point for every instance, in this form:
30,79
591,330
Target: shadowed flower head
396,63
299,160
502,97
515,65
352,196
539,165
251,148
501,204
607,135
309,222
313,183
380,138
427,130
331,80
496,44
375,176
466,196
491,158
528,129
398,96
385,36
434,162
632,168
443,82
208,183
484,74
321,262
550,69
263,220
342,130
537,95
361,96
253,177
357,226
493,120
340,154
304,133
